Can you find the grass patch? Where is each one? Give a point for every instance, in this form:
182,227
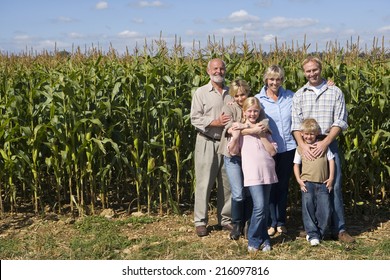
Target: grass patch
101,238
170,238
10,248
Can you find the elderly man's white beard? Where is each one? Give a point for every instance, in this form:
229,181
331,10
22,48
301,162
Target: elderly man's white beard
217,79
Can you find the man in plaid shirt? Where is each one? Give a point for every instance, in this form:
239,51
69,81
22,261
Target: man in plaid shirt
325,104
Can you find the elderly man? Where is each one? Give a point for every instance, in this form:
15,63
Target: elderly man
209,122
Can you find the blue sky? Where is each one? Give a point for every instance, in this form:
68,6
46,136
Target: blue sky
43,24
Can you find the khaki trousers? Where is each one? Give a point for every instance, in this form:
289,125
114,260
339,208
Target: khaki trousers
210,170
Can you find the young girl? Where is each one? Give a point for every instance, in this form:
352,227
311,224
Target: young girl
258,167
241,208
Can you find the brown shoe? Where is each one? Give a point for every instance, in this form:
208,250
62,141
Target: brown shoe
302,234
281,229
201,231
271,231
228,227
345,237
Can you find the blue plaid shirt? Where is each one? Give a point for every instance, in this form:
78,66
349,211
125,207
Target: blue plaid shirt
327,107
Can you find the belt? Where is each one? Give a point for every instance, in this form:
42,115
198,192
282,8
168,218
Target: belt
208,137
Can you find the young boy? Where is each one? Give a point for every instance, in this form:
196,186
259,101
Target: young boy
315,179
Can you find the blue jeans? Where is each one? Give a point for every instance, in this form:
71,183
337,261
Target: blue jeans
336,196
257,232
279,191
316,210
236,178
241,202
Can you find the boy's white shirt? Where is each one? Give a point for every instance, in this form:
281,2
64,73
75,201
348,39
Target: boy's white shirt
298,158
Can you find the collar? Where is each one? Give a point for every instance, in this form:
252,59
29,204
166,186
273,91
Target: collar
211,87
320,87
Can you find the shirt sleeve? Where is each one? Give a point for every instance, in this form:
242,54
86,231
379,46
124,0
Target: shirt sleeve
329,154
228,110
198,118
297,157
340,112
296,112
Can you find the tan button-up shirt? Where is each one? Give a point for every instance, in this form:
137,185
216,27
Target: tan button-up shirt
207,104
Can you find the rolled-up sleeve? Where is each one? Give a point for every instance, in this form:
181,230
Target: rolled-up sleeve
198,117
340,112
296,114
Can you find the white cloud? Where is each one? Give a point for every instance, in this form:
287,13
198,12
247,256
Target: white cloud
101,5
325,30
248,28
269,38
242,16
229,31
22,38
384,29
50,45
145,4
282,22
75,35
128,34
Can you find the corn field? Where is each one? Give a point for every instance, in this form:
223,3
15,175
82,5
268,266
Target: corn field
88,130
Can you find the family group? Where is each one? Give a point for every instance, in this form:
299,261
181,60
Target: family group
249,146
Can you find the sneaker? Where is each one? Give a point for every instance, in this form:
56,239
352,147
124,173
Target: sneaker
314,242
281,229
345,237
252,249
271,231
266,248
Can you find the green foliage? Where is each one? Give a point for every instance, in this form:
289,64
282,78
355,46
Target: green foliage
98,130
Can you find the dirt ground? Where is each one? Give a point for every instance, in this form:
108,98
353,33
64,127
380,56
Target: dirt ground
368,227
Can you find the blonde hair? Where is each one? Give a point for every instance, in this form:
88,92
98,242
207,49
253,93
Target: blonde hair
249,102
253,101
273,71
239,84
312,59
310,126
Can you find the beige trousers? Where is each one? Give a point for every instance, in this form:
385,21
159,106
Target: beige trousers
210,171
